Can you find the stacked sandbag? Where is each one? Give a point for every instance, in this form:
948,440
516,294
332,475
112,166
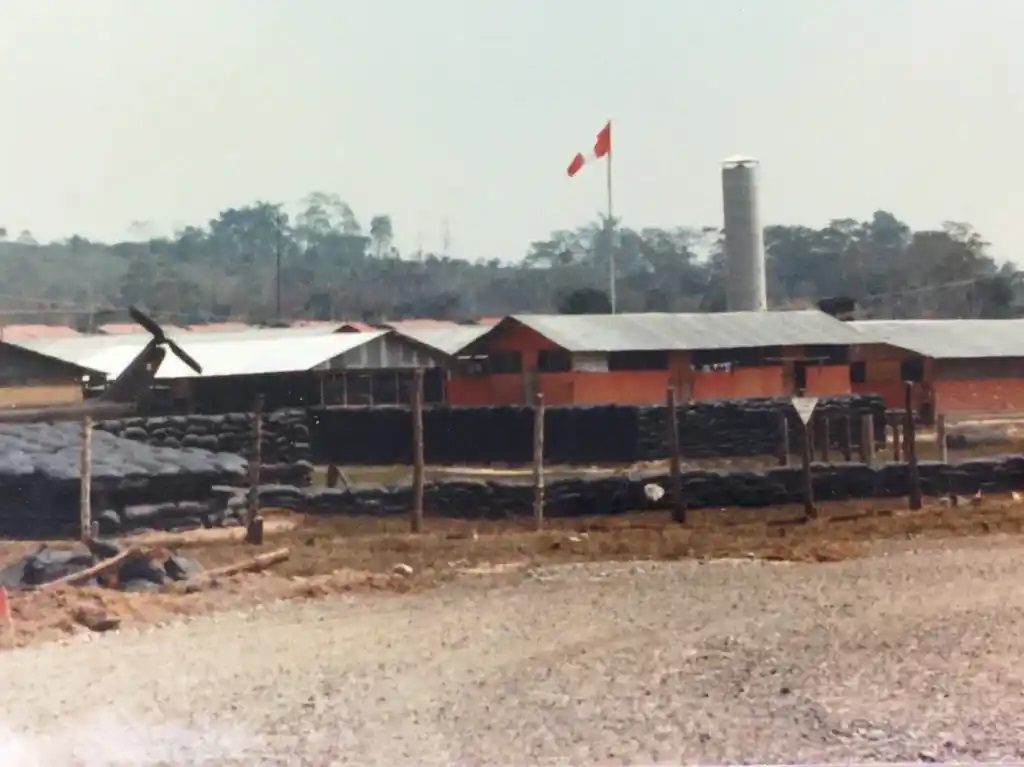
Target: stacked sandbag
381,436
574,435
454,435
285,448
40,479
603,494
139,572
751,427
366,436
592,434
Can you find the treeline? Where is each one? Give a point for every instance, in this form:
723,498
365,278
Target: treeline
332,266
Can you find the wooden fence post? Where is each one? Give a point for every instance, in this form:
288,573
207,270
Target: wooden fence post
676,459
810,511
896,451
910,447
86,531
254,522
783,439
418,469
867,439
940,437
825,434
847,438
538,461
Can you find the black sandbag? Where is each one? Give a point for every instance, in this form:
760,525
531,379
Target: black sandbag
141,514
108,521
49,564
142,568
179,567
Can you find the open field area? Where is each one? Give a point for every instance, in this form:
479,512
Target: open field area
356,554
909,652
873,634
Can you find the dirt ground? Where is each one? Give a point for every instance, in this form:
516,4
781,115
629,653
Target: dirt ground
352,554
909,654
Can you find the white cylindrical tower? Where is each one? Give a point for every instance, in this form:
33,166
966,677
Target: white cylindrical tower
744,236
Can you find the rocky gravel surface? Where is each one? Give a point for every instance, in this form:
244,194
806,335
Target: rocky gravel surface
906,656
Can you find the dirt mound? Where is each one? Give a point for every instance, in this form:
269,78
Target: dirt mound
40,616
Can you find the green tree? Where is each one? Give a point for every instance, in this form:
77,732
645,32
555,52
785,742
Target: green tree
585,301
382,234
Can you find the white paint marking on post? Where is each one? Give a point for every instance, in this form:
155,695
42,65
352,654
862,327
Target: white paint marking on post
805,407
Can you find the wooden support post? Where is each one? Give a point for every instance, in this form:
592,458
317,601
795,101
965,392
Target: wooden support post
416,513
867,439
940,437
910,448
676,459
847,438
86,531
253,521
783,439
825,435
538,461
810,511
896,452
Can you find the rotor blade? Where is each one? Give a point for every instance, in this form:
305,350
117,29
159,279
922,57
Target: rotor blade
147,322
184,356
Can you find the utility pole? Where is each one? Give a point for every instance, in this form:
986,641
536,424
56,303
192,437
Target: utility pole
277,312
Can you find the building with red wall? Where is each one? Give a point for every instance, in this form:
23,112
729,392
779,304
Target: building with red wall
962,366
634,358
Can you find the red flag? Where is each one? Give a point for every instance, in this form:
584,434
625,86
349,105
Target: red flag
602,148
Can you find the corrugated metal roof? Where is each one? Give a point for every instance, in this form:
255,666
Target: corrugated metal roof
665,332
448,340
130,328
220,354
948,339
26,332
348,327
219,327
329,324
417,322
78,350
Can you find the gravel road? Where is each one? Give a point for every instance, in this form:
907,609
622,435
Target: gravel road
910,656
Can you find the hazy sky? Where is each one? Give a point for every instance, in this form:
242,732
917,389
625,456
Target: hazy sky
170,110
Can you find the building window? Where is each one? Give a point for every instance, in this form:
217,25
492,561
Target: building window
749,357
912,370
505,362
638,361
800,376
858,372
827,354
554,361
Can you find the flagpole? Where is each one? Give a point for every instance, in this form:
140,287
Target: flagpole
611,233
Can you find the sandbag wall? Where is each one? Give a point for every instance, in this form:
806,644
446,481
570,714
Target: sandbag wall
702,489
751,427
285,448
133,485
573,435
